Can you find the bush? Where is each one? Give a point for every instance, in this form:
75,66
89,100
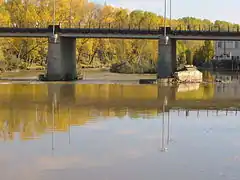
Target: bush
134,67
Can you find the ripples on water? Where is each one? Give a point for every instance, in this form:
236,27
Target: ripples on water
113,131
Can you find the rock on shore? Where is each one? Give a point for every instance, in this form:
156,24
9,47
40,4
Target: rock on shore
188,74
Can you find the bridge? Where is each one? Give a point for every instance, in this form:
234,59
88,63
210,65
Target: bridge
61,56
155,34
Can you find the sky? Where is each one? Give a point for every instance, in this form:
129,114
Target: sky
227,10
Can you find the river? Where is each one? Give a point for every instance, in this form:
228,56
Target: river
110,127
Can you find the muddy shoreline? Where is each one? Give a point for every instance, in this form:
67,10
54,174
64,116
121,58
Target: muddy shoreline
89,76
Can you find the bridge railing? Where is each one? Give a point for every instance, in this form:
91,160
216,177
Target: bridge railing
138,26
114,31
205,28
23,30
84,28
182,27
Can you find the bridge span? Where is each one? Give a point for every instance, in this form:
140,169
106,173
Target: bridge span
121,33
61,57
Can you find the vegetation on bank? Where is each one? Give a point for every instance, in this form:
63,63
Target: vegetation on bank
121,55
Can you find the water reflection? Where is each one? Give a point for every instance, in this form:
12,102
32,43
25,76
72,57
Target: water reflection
30,108
112,131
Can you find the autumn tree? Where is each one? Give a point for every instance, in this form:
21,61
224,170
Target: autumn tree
98,52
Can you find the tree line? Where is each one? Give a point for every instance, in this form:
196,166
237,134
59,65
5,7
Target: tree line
136,55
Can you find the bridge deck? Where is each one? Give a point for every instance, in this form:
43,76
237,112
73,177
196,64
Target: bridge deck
121,33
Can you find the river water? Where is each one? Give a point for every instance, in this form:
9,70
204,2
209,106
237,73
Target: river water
112,130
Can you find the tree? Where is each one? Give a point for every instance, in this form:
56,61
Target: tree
121,18
136,19
81,13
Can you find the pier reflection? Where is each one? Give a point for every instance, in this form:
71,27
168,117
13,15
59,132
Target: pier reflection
31,110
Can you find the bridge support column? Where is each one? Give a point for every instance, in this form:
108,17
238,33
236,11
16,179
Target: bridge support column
61,59
167,58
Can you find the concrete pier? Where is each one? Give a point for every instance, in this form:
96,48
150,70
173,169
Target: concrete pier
61,59
68,50
167,58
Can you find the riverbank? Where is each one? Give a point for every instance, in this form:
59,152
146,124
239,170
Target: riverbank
89,75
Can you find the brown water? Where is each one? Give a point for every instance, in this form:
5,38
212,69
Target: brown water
56,131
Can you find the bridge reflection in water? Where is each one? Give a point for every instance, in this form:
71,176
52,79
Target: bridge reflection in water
34,109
